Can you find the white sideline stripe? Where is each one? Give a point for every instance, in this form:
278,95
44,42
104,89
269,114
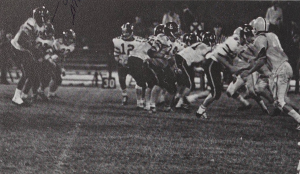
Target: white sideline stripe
70,140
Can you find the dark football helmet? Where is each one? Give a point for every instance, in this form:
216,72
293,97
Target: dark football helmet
193,38
200,34
69,36
127,30
170,29
185,38
41,15
209,38
48,32
159,29
247,31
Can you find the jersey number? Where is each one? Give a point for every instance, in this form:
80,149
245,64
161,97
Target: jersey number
129,48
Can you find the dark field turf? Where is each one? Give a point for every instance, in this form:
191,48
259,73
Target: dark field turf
88,131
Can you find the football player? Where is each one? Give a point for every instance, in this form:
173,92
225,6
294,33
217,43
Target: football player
24,49
186,59
123,46
254,84
61,48
268,51
136,61
220,57
162,62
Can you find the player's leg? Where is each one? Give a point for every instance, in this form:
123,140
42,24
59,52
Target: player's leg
135,65
232,89
55,82
281,82
25,60
122,73
213,72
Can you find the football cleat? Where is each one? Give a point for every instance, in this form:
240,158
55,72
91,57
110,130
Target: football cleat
152,110
201,116
168,109
125,100
52,97
24,104
43,96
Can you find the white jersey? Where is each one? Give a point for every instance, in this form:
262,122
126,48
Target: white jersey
228,49
62,49
195,53
123,48
165,46
141,50
27,34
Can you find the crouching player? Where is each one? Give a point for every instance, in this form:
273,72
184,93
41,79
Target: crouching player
136,63
194,53
162,64
221,56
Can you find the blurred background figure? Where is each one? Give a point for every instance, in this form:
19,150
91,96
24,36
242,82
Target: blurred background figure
219,34
4,55
292,38
275,17
187,19
171,16
139,28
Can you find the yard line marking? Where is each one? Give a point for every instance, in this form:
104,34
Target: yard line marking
73,135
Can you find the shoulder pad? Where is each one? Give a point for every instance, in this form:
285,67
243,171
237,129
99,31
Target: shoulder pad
30,21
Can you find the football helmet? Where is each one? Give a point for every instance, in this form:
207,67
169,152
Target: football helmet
170,29
185,38
69,36
209,38
200,34
41,15
247,31
49,31
127,30
260,25
159,29
193,38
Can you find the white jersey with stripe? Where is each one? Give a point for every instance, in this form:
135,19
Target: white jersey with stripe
123,48
141,50
228,49
45,45
62,49
195,53
27,34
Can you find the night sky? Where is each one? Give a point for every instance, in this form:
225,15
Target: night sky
100,20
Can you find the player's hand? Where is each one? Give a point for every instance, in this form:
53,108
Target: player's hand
178,71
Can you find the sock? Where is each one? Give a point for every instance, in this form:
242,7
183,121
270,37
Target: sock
295,115
262,104
180,102
23,95
17,93
124,92
201,109
51,93
242,100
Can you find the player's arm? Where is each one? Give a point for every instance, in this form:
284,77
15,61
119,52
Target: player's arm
117,51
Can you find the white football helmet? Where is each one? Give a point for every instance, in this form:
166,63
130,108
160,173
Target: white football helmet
238,31
260,24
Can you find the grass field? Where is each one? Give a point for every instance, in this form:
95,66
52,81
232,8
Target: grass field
88,131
